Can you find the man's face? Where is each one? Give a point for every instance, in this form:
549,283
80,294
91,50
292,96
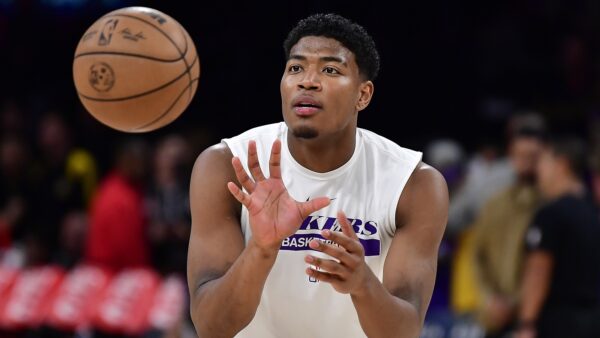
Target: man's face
321,88
547,170
524,155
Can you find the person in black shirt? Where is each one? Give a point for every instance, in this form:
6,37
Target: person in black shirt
561,281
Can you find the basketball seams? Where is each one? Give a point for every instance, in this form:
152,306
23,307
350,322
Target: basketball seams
166,107
150,23
166,113
185,38
141,56
144,93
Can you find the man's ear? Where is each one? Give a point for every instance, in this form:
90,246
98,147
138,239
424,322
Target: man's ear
364,95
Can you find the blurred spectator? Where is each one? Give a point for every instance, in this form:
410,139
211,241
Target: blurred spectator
594,161
486,173
117,237
71,239
64,178
13,188
12,119
561,276
448,157
500,227
168,205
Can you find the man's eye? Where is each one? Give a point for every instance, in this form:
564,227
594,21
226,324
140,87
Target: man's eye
330,70
294,68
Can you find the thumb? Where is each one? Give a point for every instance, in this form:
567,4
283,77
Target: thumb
307,208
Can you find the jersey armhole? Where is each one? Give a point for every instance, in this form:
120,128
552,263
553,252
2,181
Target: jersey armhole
396,195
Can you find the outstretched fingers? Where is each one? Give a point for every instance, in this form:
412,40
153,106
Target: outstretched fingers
346,225
275,160
253,163
239,195
307,208
242,176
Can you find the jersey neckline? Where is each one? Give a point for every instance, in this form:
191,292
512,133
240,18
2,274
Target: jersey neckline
317,175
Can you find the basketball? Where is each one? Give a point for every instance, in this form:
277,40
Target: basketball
136,69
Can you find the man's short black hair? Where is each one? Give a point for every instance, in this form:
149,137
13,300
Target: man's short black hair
573,149
350,34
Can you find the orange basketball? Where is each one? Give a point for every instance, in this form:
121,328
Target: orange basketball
136,69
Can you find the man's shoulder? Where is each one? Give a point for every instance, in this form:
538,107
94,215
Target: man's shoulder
426,176
216,158
425,184
390,149
426,192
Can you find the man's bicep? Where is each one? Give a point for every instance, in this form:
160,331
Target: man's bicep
544,233
216,238
421,217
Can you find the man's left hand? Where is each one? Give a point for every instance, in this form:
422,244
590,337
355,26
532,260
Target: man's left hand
351,275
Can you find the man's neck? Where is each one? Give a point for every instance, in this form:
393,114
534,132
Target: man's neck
323,154
566,186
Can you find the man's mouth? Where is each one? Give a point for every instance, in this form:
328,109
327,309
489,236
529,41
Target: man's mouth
306,106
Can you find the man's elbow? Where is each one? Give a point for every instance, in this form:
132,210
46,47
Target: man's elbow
215,322
205,326
411,322
414,318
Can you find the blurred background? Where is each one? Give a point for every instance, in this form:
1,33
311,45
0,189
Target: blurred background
474,85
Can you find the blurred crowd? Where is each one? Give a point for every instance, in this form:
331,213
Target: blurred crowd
520,257
64,205
56,206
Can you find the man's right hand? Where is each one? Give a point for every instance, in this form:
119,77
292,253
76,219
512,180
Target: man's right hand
273,214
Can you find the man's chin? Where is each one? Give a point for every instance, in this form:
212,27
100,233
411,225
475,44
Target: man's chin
305,132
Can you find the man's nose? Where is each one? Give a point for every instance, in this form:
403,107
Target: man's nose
310,81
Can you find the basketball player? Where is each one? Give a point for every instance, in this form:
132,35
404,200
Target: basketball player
276,260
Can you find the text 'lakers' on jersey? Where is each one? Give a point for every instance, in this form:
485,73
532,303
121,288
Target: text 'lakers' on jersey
367,189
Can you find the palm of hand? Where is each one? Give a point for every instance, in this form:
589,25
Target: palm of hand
273,214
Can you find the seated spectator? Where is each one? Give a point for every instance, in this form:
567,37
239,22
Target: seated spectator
168,205
117,236
63,179
13,189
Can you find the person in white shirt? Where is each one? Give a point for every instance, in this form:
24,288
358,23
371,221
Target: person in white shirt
313,227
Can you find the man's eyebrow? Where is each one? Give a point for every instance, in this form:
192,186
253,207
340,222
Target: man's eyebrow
323,58
297,57
333,59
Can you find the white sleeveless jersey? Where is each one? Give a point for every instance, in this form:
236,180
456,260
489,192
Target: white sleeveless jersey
367,189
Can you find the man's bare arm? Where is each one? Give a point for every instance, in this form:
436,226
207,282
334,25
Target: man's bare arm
535,285
397,307
411,263
225,277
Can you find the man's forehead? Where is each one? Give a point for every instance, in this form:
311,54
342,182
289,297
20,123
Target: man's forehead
321,45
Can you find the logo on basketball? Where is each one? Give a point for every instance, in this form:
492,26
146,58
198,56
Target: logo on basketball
88,36
107,32
135,69
159,18
127,34
102,77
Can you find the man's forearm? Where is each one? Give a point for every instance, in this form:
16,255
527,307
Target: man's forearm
224,306
382,314
535,286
